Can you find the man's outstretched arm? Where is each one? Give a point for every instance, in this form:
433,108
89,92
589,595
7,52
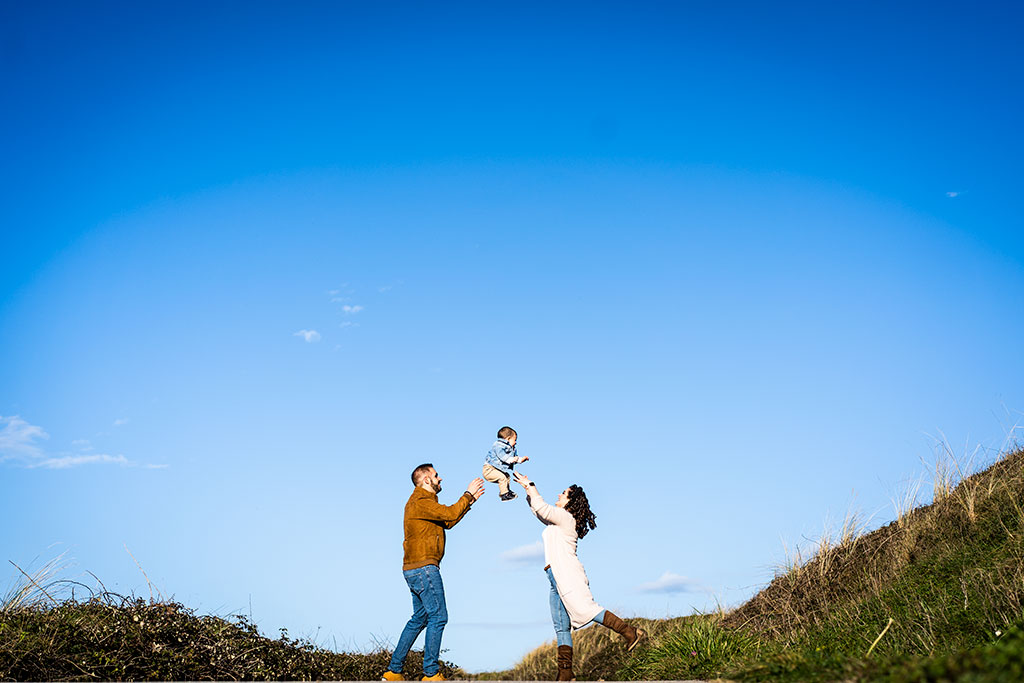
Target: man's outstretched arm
449,515
474,491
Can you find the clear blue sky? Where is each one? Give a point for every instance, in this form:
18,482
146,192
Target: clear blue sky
726,266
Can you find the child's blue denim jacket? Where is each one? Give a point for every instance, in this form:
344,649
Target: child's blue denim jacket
499,455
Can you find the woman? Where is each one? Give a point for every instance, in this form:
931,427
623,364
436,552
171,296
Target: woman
572,605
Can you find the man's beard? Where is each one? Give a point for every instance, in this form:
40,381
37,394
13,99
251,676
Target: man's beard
437,487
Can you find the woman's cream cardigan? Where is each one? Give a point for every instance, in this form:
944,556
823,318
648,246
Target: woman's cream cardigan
560,552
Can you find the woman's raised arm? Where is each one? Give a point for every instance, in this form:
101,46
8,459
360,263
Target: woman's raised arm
546,512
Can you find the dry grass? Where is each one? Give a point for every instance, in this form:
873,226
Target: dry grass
906,499
35,587
598,653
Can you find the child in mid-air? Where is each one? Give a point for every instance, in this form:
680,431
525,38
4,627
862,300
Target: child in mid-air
501,459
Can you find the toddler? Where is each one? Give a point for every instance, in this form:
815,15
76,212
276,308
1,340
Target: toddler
501,459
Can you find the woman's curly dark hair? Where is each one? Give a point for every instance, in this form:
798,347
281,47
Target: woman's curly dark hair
579,507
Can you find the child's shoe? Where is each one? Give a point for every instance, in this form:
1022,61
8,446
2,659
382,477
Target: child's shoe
392,676
511,495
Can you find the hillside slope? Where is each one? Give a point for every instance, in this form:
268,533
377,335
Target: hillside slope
950,574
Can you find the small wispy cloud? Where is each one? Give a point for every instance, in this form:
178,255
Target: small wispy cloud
952,195
348,323
672,583
341,294
310,336
66,461
121,421
351,309
524,553
20,444
19,439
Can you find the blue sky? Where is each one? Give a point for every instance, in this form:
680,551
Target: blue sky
730,268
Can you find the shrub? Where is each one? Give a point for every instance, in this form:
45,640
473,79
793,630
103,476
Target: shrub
113,638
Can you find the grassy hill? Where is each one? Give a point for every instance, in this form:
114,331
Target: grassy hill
108,637
936,595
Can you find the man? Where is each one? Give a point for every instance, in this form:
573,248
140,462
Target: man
425,523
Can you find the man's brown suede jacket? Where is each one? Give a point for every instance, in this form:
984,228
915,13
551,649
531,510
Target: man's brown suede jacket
425,522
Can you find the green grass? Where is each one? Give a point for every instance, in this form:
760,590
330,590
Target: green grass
698,648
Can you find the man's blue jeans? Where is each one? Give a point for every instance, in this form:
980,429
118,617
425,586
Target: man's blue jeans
560,618
428,611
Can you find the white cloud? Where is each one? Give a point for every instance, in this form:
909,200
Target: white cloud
351,309
65,461
19,444
342,293
671,583
120,421
524,553
348,323
309,335
18,439
951,195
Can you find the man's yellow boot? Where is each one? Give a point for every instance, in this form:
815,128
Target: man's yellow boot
436,677
392,676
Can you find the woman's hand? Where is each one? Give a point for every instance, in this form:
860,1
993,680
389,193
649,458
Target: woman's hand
523,480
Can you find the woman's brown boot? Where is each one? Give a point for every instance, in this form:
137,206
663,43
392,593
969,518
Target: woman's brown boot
565,664
632,634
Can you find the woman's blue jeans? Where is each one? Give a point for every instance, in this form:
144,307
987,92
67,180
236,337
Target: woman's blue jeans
428,612
560,618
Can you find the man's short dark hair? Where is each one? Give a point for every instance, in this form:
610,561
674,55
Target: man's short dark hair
506,432
420,472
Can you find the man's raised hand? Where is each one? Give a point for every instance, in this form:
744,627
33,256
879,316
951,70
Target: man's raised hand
476,488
